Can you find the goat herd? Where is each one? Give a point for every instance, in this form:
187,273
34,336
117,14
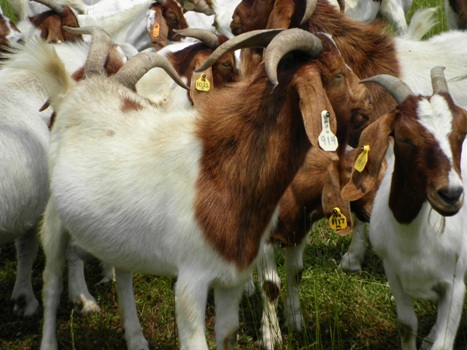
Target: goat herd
194,138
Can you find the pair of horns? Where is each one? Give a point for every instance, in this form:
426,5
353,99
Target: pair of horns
278,43
400,91
134,68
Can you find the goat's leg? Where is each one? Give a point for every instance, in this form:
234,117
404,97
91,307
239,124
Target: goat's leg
352,260
27,246
54,242
449,314
293,271
406,317
191,292
270,283
227,318
77,287
134,337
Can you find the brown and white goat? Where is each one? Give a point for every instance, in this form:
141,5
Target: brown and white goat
418,219
195,191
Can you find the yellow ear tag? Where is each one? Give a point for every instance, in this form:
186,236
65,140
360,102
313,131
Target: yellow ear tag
327,140
362,159
155,29
202,83
337,221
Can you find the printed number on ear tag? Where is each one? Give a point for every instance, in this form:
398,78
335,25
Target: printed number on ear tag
337,221
155,29
362,159
327,140
202,83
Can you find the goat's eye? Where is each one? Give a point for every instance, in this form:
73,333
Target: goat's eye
340,75
405,141
226,65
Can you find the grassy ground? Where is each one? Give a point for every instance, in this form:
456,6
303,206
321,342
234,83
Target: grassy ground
342,311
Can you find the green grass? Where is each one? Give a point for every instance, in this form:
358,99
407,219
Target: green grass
342,311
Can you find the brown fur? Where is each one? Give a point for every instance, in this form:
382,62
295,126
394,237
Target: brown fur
460,8
129,105
51,25
251,152
4,31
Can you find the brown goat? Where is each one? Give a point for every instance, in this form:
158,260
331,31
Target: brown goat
165,16
374,55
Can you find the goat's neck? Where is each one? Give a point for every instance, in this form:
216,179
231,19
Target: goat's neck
252,148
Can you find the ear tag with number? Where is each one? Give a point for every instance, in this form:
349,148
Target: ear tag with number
362,159
202,83
155,30
337,221
327,140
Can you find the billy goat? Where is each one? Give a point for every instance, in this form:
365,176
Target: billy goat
198,190
418,218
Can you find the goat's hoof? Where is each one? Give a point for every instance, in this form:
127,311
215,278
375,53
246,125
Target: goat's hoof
83,306
24,307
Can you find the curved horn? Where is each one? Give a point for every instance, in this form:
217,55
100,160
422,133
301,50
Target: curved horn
206,36
310,8
51,4
101,43
254,38
396,87
290,40
438,80
140,64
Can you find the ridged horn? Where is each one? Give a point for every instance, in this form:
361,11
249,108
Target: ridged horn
99,48
394,86
140,64
254,38
51,4
309,9
207,37
289,40
438,80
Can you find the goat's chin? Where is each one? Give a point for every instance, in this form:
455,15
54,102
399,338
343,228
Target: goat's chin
444,208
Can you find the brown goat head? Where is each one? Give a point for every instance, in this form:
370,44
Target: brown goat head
163,18
51,23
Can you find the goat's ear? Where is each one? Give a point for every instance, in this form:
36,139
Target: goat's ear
331,198
281,15
313,100
376,136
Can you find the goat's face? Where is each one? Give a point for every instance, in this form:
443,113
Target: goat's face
8,32
428,148
51,25
162,19
349,99
250,15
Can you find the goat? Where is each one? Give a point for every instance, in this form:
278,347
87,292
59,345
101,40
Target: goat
418,216
197,190
24,191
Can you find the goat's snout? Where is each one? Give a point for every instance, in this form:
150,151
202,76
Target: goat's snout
451,195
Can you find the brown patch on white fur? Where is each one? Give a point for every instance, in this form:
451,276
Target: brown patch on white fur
129,105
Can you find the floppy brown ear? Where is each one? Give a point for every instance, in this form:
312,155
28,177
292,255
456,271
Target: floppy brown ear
331,197
376,135
281,15
313,100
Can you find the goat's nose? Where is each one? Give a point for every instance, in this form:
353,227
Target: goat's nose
451,194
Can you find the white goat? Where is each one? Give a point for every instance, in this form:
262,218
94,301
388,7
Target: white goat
185,187
418,218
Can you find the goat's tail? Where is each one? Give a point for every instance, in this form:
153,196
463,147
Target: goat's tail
42,61
422,22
